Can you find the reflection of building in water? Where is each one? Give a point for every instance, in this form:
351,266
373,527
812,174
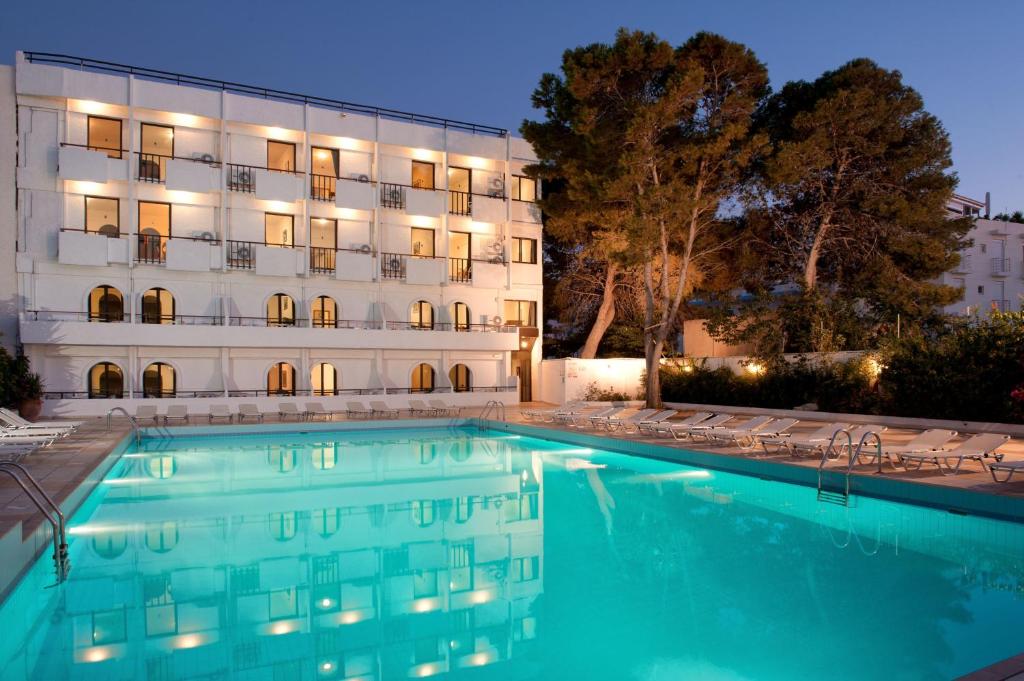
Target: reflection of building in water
368,560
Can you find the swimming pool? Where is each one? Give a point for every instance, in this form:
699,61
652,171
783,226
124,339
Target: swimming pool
392,554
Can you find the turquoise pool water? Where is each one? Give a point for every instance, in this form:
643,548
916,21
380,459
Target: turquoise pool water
459,554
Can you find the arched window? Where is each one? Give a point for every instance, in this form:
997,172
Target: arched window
326,521
463,509
421,315
324,379
109,544
325,457
159,380
281,379
280,310
460,377
324,313
282,459
161,467
106,304
106,380
157,306
422,379
460,316
283,526
162,537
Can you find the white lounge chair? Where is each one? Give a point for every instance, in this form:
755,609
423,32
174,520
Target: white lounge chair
665,427
544,413
421,408
976,448
220,411
39,439
286,409
933,438
9,424
679,432
651,421
146,412
813,442
176,412
248,410
615,422
743,434
1007,467
15,419
381,407
572,418
600,419
315,410
355,409
443,408
48,433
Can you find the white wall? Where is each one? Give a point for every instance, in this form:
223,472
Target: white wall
8,218
564,380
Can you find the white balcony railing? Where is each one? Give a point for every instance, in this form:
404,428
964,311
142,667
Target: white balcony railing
1000,267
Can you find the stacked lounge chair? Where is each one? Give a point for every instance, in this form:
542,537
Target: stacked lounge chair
665,427
14,420
681,431
445,409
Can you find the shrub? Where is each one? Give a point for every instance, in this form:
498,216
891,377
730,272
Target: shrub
593,393
17,382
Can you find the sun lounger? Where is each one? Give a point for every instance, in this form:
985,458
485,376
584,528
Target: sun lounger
421,408
601,419
543,413
16,452
812,442
689,431
444,409
146,412
220,411
741,434
39,440
315,410
286,409
665,427
615,422
176,412
380,407
355,409
248,410
48,433
572,418
651,421
9,424
15,419
976,448
1007,467
776,429
934,438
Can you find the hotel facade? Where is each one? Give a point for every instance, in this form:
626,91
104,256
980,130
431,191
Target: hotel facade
179,238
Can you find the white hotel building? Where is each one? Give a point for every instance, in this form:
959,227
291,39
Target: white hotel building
189,239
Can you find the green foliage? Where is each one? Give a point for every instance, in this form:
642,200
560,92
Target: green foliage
1016,216
593,393
971,372
17,382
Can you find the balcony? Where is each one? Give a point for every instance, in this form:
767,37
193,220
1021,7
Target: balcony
392,196
1000,305
528,211
1000,267
78,247
91,164
276,260
268,184
152,249
199,253
460,203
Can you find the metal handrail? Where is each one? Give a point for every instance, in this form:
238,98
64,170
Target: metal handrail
131,419
832,453
50,510
496,406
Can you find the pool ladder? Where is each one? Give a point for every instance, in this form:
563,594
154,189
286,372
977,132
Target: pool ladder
498,408
50,510
136,428
832,452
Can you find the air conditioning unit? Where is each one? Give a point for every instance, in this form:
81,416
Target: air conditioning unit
496,247
496,187
362,248
359,177
200,156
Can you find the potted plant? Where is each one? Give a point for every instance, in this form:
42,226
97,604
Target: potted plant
20,388
30,389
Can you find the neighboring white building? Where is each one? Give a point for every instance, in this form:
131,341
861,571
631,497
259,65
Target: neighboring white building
991,271
187,238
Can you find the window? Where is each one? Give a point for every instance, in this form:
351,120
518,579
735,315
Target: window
161,467
106,304
323,169
154,230
280,310
106,381
110,545
525,569
324,313
424,512
279,230
162,537
521,313
280,155
108,627
324,456
159,380
460,249
463,509
981,290
460,316
157,146
984,248
157,306
524,188
524,250
281,459
281,379
422,175
460,377
424,584
284,603
283,525
104,134
422,379
103,216
422,242
421,315
326,521
324,379
460,185
460,567
323,239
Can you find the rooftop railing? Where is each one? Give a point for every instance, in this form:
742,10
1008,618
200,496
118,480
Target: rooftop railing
99,66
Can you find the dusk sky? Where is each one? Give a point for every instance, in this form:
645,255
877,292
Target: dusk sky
480,61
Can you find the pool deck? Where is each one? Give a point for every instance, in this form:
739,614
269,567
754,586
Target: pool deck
70,468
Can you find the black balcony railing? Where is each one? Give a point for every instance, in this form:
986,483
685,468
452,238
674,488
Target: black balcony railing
392,265
460,270
152,167
152,249
322,260
392,195
322,187
241,178
241,255
460,203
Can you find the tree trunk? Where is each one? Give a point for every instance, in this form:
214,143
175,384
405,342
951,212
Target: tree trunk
653,357
605,314
811,266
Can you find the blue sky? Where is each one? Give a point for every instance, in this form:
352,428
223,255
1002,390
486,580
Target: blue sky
480,61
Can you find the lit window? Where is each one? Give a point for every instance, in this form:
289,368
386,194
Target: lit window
422,379
324,312
280,310
157,146
104,134
459,376
524,250
280,155
281,380
157,306
524,188
102,216
279,230
106,381
460,316
106,304
159,380
324,379
421,315
422,175
521,312
154,230
422,242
